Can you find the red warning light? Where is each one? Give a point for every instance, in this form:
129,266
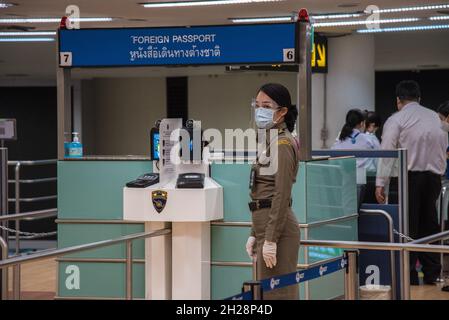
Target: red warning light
303,15
63,23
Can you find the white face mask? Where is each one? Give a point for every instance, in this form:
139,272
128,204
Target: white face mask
445,125
264,118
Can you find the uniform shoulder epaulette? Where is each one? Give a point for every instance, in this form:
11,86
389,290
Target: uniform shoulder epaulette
284,141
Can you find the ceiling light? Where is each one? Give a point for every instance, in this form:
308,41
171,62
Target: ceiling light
5,5
399,29
362,22
26,39
201,3
337,16
418,8
262,19
439,18
51,20
30,33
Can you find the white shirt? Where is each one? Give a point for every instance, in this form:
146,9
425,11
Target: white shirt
371,164
356,141
417,129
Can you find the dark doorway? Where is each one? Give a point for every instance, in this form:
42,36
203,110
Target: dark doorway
177,98
434,89
35,110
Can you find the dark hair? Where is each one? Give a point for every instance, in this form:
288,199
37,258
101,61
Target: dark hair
408,90
372,117
444,109
353,118
282,97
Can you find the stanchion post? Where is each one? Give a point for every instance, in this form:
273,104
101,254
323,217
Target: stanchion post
4,272
4,211
16,281
17,201
255,287
403,213
129,270
351,275
406,269
304,83
254,269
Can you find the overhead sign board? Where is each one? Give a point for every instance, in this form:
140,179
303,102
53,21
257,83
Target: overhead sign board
319,54
205,45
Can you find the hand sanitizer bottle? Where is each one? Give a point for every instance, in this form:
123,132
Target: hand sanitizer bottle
75,148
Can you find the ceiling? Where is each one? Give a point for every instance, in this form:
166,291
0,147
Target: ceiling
39,59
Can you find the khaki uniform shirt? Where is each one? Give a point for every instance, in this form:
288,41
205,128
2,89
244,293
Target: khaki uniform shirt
278,186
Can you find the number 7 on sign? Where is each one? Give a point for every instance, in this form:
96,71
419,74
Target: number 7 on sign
65,59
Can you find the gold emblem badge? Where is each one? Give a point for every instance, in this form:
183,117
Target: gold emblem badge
159,199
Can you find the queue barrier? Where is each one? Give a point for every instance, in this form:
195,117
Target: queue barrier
290,279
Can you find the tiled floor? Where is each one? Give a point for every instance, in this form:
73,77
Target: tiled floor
429,292
38,280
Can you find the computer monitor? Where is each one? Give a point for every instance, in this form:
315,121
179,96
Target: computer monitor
155,144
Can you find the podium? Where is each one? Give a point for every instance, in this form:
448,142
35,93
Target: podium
176,268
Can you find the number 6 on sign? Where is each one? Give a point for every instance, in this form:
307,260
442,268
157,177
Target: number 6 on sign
65,59
289,55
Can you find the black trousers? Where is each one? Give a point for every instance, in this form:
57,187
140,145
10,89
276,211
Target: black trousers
424,187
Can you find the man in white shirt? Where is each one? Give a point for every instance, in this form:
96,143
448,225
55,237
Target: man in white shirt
417,129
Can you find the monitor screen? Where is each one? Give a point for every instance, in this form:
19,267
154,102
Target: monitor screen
155,144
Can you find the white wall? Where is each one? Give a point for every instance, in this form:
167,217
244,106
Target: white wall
119,113
350,81
223,101
412,50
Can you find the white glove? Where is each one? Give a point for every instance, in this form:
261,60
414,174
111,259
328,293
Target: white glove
269,253
250,247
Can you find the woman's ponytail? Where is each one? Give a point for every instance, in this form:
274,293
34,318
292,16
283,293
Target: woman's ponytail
290,117
353,118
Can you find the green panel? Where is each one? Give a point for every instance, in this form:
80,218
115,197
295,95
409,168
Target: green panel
94,189
234,178
327,287
343,230
102,280
227,281
299,194
228,243
69,235
331,189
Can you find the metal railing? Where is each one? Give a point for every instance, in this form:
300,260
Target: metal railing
17,182
402,175
28,216
16,262
404,249
443,205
